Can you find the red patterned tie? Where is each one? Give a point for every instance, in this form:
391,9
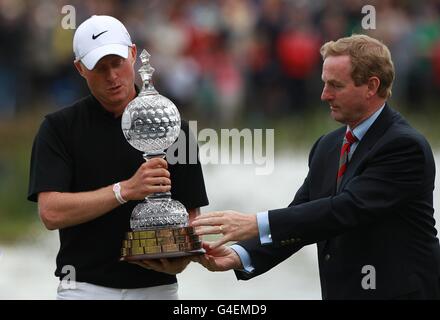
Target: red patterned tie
343,160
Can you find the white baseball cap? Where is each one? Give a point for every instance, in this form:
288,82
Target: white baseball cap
99,36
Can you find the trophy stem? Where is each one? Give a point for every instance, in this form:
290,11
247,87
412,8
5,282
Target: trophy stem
156,195
148,89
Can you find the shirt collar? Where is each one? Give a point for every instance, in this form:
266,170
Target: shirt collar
360,131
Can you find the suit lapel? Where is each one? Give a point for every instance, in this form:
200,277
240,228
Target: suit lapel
333,166
374,133
333,158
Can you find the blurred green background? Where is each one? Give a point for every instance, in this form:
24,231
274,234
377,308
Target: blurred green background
227,64
19,216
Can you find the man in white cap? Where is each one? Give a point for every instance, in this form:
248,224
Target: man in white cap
87,179
105,57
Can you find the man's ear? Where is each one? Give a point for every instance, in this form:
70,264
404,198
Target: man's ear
373,86
80,67
133,53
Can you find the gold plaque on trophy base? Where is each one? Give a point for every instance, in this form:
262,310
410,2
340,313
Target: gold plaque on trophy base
160,243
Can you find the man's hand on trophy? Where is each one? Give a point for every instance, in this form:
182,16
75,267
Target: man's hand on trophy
221,258
233,225
170,266
152,176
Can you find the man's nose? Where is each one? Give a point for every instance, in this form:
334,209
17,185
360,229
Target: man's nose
325,95
111,74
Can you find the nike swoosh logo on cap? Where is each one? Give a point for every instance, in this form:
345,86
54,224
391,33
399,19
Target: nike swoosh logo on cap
94,37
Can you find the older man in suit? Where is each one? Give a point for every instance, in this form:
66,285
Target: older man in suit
367,200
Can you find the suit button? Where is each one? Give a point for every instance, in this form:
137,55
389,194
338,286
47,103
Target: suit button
327,257
283,242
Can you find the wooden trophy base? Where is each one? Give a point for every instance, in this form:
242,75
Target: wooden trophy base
161,243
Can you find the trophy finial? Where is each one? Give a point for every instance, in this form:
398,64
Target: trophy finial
145,56
146,73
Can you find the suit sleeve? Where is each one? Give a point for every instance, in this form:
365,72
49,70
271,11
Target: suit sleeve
265,258
394,174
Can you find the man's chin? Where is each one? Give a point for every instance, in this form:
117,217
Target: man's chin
117,97
334,114
337,116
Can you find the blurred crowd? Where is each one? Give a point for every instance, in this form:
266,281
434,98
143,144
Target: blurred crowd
218,59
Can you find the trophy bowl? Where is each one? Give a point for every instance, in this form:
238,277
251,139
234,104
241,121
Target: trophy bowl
160,224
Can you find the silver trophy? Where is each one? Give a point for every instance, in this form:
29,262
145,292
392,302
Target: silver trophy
151,124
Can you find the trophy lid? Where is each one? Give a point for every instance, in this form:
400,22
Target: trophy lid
146,72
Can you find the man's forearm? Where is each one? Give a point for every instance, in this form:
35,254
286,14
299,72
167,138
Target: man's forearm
64,209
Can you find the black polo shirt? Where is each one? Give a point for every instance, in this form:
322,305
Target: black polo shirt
83,148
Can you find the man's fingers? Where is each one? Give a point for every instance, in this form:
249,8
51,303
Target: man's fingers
152,189
209,221
165,262
208,230
196,259
206,245
152,264
218,243
157,181
211,264
140,264
206,261
158,172
156,163
212,214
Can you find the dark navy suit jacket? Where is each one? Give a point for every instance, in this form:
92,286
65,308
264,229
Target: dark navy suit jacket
376,235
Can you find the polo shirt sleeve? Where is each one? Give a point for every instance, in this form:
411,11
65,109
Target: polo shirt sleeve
51,164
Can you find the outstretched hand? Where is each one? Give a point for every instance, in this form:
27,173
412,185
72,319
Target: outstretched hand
234,226
221,258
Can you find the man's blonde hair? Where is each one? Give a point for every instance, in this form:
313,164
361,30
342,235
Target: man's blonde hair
369,57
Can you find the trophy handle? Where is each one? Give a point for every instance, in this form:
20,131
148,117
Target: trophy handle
156,195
